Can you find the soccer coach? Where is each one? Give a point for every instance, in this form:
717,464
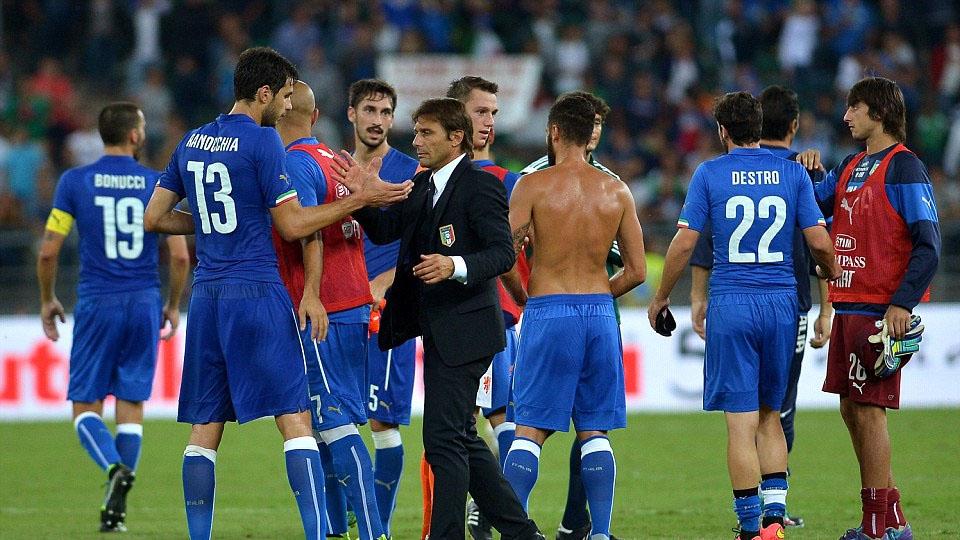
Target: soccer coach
454,241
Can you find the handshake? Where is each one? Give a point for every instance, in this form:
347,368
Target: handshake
895,353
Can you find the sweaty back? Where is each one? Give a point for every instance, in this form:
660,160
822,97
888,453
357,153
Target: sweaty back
575,218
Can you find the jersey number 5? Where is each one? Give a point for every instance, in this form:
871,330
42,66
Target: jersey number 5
204,174
763,254
124,215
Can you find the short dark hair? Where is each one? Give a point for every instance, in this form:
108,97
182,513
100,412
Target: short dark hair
365,88
573,116
460,88
260,66
885,101
452,116
116,120
780,109
599,105
742,115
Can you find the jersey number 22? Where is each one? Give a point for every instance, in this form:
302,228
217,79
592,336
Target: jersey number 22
763,254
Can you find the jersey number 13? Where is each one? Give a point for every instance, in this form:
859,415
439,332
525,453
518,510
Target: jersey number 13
203,174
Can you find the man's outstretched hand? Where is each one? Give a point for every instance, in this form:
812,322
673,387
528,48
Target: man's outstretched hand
364,181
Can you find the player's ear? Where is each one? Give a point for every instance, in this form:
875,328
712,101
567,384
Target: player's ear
315,116
351,114
264,94
455,137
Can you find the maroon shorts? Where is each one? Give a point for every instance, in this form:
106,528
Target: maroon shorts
850,364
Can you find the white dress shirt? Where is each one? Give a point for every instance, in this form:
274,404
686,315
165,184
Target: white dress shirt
440,178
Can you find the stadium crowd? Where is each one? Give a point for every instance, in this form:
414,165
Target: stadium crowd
659,64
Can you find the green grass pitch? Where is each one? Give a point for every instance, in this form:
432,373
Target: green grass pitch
671,482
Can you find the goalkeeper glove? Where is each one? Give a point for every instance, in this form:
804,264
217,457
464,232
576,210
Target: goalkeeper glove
895,353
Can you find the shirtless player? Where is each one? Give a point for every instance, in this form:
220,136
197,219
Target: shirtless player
570,360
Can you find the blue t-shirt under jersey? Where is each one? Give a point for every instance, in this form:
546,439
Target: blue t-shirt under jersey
752,200
232,172
107,199
397,167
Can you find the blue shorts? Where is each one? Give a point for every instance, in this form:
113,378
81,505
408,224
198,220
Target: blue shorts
750,344
503,363
115,346
391,376
569,365
337,374
243,358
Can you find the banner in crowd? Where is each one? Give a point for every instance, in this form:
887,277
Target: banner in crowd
661,374
422,76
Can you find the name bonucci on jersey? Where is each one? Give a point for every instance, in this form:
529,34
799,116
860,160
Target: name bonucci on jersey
119,181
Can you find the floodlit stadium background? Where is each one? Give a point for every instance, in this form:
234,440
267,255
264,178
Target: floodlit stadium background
659,65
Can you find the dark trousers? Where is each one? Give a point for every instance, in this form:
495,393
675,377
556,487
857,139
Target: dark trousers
460,460
789,408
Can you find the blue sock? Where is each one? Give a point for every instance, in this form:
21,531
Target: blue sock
575,513
354,471
746,502
504,433
387,472
129,440
773,487
336,503
522,467
306,480
96,439
599,472
199,486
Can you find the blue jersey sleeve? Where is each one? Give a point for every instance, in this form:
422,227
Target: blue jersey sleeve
302,170
509,182
808,213
275,186
696,208
702,255
63,199
910,193
170,178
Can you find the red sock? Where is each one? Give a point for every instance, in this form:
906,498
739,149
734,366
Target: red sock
874,521
895,517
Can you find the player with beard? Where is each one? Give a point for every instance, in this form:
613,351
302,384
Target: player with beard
575,523
390,374
243,357
119,314
569,363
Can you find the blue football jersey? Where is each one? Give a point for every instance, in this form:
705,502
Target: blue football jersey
232,172
397,167
107,199
752,201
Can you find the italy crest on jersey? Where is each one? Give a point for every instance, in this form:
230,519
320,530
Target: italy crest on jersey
447,236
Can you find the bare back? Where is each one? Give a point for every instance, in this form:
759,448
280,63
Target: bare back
575,213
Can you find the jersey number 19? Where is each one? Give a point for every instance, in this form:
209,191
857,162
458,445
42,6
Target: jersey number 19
124,215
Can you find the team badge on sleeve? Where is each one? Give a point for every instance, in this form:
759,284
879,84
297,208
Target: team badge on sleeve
447,236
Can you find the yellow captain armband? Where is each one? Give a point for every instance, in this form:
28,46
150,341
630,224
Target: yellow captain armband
59,222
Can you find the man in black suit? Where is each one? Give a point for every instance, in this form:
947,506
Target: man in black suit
454,242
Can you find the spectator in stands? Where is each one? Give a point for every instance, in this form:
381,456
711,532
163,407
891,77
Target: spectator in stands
297,34
24,160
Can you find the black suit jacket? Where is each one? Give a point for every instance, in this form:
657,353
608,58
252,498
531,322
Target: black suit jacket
469,220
